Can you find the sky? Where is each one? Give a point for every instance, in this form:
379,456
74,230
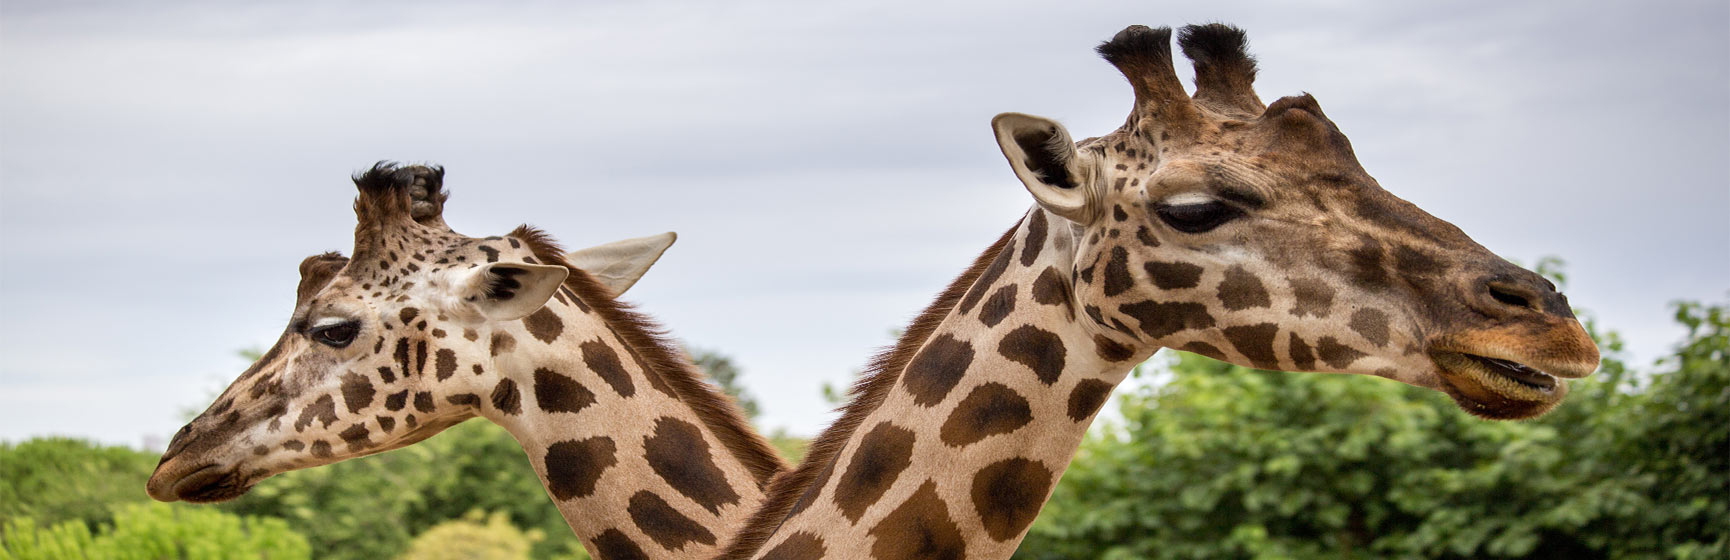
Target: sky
164,166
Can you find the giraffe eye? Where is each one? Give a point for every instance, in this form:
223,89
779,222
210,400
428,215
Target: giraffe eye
338,335
1197,217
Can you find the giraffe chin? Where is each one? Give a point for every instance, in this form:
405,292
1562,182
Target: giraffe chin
1497,388
207,484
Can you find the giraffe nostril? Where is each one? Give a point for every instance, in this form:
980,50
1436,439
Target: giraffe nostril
1511,296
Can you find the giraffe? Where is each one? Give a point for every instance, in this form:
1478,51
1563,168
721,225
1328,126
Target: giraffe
423,328
1213,224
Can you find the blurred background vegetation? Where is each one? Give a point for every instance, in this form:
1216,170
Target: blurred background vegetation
1200,460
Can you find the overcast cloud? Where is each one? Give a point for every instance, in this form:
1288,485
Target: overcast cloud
165,165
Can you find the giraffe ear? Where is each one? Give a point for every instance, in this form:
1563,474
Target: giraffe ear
510,291
618,265
1044,158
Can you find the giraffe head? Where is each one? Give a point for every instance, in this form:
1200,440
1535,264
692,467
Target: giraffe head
388,347
1249,233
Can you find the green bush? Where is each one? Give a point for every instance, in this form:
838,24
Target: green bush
155,531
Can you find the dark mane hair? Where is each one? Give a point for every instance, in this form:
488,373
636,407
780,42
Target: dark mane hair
867,394
717,410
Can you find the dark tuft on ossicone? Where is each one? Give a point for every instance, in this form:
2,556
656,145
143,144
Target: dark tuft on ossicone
1138,45
1215,44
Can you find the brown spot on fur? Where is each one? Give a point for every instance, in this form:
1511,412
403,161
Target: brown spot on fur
1038,349
423,402
1173,275
1314,297
678,453
1241,290
1051,289
357,392
883,454
1110,350
322,410
1145,236
602,360
1366,266
612,544
293,445
1255,342
321,449
506,398
419,357
1088,396
665,525
407,314
919,529
544,324
1159,320
1372,324
502,343
574,466
1117,278
1337,355
1301,356
395,401
798,546
1008,494
1205,349
356,437
385,423
555,392
1035,239
936,369
401,356
988,410
999,305
444,363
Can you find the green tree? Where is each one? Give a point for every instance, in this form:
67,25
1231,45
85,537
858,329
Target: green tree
153,531
54,479
475,536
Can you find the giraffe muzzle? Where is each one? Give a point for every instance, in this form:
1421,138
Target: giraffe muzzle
205,484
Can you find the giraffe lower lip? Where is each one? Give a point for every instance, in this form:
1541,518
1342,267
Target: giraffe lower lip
209,483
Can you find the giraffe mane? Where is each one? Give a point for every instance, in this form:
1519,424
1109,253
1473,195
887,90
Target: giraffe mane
649,340
866,395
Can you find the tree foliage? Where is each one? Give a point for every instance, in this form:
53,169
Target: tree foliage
475,536
154,531
1226,462
54,479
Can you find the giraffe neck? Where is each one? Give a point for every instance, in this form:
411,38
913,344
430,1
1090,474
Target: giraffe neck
640,456
966,440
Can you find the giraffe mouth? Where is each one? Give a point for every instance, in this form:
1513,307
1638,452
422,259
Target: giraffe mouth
1497,388
207,484
1517,372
